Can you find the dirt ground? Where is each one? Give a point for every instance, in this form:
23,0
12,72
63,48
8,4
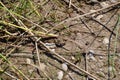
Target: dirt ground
88,36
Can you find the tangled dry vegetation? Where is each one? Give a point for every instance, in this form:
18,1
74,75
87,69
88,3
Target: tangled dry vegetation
59,40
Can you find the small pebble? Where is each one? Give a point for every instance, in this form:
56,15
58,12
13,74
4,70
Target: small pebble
72,57
106,41
101,69
104,4
93,1
64,67
91,52
100,74
60,75
28,61
99,17
119,73
101,57
53,50
113,1
91,57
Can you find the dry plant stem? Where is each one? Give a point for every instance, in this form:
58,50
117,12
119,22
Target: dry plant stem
86,65
13,77
70,3
86,25
23,36
85,14
29,30
38,55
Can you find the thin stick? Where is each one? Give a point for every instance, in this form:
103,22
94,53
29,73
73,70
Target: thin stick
70,3
86,25
86,64
11,76
38,55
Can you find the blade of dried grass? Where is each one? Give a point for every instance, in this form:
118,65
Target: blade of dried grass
28,30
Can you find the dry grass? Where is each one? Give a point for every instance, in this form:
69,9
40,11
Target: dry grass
70,27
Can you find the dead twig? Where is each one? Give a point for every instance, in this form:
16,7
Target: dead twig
38,55
13,77
70,3
86,64
86,25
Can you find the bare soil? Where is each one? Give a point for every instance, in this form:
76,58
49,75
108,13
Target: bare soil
77,38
